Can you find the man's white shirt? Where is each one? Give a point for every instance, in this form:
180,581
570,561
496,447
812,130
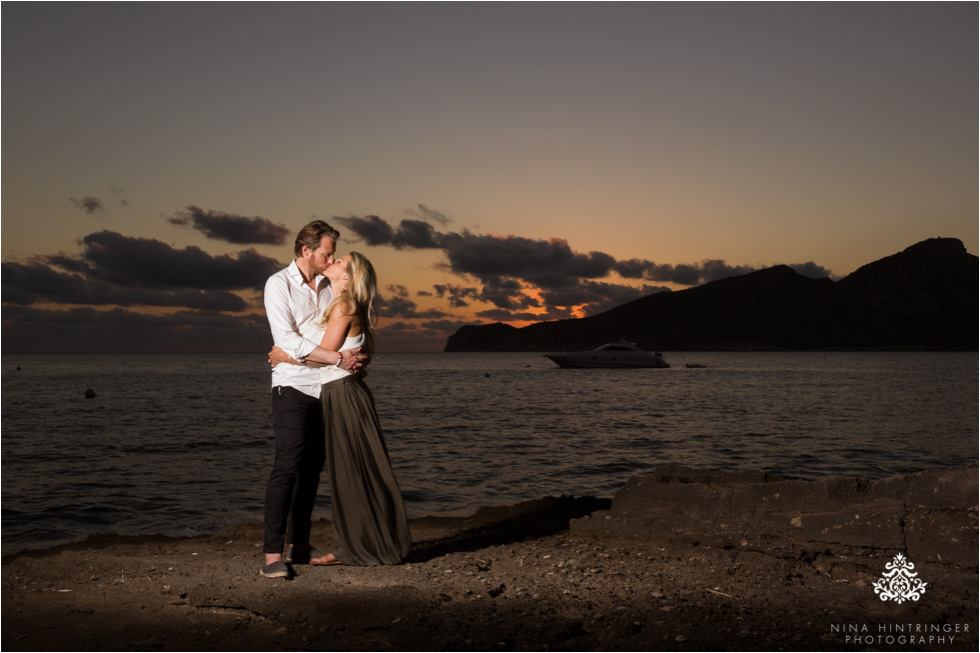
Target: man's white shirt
294,309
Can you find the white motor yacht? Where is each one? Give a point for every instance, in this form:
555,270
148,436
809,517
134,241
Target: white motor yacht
612,355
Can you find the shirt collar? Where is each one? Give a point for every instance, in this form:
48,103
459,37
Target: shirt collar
297,276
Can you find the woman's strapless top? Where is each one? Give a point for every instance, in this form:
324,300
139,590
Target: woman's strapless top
332,372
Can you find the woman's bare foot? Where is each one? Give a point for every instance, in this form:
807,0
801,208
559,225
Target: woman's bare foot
329,559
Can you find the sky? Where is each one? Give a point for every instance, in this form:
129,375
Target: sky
510,162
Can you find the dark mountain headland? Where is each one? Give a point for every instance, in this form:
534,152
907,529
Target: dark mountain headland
923,298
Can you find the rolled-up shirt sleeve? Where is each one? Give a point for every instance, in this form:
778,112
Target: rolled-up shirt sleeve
285,331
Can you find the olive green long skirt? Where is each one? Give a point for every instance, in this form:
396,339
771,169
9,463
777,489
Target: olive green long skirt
368,512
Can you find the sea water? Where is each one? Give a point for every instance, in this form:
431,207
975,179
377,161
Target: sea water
182,444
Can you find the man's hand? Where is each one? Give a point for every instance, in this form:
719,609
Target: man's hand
362,362
352,360
348,360
277,356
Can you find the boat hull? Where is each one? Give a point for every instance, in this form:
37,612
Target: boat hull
606,362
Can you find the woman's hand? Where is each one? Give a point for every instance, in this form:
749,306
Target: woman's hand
277,356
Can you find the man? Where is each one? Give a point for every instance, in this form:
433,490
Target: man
295,299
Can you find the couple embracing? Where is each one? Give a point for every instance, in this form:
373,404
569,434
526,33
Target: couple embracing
321,310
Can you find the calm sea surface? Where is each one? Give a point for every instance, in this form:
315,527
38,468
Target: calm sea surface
182,444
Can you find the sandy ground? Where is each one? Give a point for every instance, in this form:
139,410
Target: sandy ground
504,579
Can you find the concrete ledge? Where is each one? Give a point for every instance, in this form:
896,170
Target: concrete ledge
930,515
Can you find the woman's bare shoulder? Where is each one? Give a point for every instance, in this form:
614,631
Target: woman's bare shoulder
342,310
347,315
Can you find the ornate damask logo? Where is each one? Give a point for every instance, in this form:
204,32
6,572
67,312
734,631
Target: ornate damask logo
899,582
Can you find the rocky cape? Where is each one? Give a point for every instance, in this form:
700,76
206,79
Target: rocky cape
683,559
923,298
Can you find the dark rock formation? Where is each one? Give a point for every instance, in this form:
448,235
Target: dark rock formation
930,516
922,298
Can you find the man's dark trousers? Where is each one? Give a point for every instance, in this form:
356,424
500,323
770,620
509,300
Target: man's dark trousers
300,453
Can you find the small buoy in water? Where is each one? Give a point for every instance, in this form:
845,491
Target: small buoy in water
487,375
18,368
90,394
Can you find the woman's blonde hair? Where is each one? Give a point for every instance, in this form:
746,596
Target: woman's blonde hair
359,297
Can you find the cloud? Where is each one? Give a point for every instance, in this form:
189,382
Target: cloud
371,229
410,234
128,274
507,293
447,327
410,336
91,205
520,279
398,305
706,271
425,213
549,262
65,262
28,329
143,262
112,269
118,190
416,234
633,268
685,274
394,328
232,228
811,270
34,283
405,308
438,328
548,265
517,273
457,295
596,297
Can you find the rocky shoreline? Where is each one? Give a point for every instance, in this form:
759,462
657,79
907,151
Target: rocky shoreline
682,559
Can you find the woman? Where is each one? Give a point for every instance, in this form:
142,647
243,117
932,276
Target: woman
368,513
